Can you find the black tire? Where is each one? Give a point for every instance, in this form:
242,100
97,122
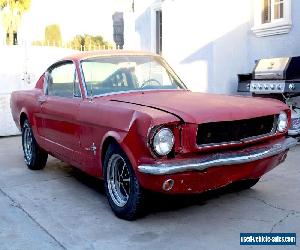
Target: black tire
35,157
135,200
244,184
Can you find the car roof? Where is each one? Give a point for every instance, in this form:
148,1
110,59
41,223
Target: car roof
91,54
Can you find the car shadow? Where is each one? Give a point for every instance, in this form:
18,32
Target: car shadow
91,182
157,202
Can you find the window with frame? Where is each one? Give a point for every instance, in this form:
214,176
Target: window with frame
62,80
272,17
272,10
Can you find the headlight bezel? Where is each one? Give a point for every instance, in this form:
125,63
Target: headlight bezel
154,138
282,122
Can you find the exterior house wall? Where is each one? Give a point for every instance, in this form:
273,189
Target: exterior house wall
137,24
209,42
278,45
201,44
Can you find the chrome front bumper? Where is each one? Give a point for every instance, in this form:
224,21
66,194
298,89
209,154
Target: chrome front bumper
219,159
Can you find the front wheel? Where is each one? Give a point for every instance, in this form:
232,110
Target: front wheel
125,195
34,156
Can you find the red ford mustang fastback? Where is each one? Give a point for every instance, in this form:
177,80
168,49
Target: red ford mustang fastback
126,117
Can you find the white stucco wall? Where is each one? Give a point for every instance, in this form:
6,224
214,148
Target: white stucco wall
204,41
137,26
18,63
209,42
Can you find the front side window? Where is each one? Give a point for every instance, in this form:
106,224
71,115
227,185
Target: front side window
62,80
126,73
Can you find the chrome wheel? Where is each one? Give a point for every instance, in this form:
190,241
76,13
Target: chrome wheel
27,144
35,157
118,180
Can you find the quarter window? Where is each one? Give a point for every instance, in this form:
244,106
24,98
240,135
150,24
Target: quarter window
63,81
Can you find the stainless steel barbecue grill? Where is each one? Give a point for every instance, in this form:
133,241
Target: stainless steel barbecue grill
276,75
276,78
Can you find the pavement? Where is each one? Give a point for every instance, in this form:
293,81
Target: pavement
62,208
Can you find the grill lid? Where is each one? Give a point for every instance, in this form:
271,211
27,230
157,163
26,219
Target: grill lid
283,68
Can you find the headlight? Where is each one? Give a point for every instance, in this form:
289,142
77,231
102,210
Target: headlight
163,141
282,122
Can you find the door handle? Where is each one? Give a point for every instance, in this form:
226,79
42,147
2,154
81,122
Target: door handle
41,100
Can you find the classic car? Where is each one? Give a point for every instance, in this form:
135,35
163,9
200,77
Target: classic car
127,118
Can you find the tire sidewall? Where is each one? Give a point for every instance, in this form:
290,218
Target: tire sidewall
30,163
131,206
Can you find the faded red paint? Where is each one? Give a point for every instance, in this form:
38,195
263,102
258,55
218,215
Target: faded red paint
66,127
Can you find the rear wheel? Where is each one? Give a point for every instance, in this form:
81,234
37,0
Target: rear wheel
34,156
244,184
125,195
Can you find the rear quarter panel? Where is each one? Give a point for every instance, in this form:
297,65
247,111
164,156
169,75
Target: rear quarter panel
26,102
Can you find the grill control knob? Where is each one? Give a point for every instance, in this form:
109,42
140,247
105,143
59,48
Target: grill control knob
260,86
272,86
254,86
292,86
278,86
266,87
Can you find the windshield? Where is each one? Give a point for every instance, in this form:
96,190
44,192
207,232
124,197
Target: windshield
126,73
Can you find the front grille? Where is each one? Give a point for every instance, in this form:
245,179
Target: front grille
234,131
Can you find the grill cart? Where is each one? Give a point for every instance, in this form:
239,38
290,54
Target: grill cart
277,78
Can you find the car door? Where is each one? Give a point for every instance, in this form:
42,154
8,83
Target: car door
59,111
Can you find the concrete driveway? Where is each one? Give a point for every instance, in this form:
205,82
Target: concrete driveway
62,208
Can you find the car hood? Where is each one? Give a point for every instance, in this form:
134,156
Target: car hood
198,108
